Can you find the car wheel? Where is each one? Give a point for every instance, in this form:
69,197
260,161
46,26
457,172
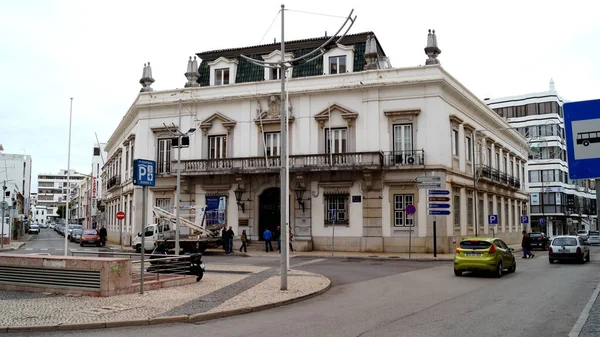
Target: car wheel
81,244
587,258
138,249
499,270
551,261
513,268
457,272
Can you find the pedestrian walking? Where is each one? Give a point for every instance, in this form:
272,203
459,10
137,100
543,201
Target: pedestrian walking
103,234
225,240
244,241
526,245
278,238
230,235
268,237
291,237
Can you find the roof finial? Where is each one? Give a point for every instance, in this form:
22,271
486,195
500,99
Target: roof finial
552,88
432,50
371,55
192,73
146,80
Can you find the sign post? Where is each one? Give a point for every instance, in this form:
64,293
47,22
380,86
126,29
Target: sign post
437,205
410,210
143,175
493,221
582,129
332,220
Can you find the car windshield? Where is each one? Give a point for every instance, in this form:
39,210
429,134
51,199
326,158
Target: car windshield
474,244
564,242
535,235
581,232
77,231
76,227
594,233
90,232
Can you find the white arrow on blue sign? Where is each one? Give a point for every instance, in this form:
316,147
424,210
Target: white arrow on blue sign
438,206
439,212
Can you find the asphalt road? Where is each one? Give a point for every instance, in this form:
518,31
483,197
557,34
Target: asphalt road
50,242
400,298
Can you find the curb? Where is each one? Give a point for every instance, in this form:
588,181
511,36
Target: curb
202,317
380,258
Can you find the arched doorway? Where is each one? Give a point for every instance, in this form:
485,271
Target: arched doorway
269,211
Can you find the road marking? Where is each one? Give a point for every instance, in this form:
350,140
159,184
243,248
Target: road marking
43,248
307,262
28,248
584,314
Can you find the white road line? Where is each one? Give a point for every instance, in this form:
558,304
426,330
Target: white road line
305,263
43,248
28,248
584,314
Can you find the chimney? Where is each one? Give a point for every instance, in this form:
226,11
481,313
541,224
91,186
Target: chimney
371,55
192,73
146,80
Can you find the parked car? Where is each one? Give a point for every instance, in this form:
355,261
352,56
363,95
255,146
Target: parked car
76,235
90,236
584,234
34,229
594,238
568,247
538,240
71,228
484,254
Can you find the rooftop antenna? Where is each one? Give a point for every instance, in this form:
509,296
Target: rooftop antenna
283,65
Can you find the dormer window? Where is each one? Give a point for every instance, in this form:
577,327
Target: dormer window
222,71
222,76
338,60
337,64
275,73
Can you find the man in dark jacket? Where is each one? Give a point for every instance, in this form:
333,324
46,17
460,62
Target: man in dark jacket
225,239
526,245
230,235
102,233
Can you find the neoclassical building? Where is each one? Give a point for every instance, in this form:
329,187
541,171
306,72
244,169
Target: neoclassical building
360,132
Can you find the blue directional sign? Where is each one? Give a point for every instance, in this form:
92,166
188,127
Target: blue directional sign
542,221
493,219
582,128
525,219
143,172
332,215
439,205
439,212
438,192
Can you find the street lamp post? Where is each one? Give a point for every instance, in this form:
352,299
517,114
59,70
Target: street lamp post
68,182
3,203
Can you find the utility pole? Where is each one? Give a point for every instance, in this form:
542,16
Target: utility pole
68,183
178,191
3,203
284,179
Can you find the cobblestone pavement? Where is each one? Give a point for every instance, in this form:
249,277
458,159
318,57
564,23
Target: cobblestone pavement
221,284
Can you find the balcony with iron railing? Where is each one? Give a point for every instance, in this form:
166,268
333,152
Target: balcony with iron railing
399,159
297,163
497,176
113,182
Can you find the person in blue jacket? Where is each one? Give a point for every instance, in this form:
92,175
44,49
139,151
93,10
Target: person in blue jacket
268,237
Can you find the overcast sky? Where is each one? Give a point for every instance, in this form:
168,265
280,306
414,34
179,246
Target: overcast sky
94,51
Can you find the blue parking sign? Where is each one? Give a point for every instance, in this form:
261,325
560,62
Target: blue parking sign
143,172
493,219
524,219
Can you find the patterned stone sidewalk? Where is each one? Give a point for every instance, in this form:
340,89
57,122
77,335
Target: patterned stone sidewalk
224,290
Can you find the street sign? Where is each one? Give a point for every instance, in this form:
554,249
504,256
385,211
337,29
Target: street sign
434,199
525,219
582,128
428,186
426,179
410,209
332,215
438,206
438,192
493,219
439,212
542,221
143,172
120,215
4,205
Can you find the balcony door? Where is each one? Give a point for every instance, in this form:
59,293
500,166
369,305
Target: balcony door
403,144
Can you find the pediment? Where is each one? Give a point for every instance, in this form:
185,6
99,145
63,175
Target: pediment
226,121
222,60
346,114
265,119
277,54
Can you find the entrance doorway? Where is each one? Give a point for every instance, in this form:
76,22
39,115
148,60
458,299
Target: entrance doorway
269,211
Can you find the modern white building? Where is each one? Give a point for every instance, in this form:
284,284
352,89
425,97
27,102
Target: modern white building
566,205
52,191
85,196
360,133
15,174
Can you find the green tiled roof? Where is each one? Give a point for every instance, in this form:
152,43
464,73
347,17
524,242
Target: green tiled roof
248,72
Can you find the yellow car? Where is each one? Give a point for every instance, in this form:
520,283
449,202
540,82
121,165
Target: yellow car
484,254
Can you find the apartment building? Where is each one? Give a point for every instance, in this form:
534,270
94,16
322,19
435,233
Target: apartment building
52,191
85,196
15,174
360,132
559,205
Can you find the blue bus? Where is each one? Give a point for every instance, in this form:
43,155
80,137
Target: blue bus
586,138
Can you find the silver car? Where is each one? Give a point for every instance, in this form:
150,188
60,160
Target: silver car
594,238
568,247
